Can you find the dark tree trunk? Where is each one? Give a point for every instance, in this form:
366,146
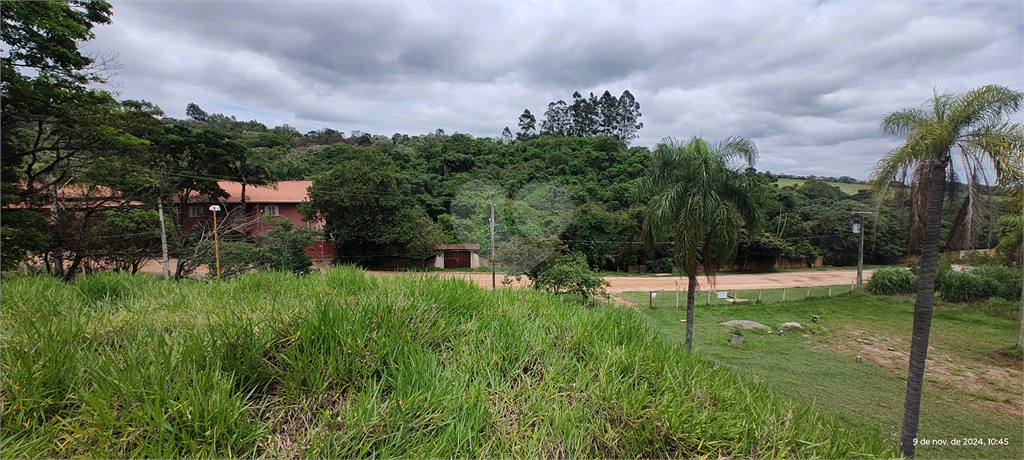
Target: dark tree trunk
691,294
923,308
69,275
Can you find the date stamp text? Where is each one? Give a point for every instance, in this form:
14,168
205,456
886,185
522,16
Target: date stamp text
962,442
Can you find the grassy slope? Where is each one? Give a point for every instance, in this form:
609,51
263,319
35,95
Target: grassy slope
819,367
849,189
344,365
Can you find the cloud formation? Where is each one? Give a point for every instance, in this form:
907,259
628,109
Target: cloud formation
808,81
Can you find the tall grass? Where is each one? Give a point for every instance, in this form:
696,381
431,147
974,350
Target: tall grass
346,365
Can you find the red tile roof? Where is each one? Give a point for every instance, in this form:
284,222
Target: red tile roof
286,191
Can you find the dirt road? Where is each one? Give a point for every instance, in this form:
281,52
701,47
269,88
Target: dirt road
724,281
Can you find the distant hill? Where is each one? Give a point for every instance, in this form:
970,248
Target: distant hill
847,188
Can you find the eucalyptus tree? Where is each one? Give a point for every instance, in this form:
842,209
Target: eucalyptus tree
955,136
700,201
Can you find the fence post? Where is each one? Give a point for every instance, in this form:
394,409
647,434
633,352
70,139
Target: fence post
808,296
709,297
758,295
783,294
830,292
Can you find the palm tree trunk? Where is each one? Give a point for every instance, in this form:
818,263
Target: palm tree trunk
691,294
923,307
1020,315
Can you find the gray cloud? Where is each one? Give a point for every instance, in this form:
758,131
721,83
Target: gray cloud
808,81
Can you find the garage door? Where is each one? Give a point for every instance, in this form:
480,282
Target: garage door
459,259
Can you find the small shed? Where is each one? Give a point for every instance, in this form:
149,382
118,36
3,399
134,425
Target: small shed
459,256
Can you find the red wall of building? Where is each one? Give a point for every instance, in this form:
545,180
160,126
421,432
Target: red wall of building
290,211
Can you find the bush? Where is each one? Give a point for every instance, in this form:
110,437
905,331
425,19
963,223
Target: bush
1006,279
957,286
891,281
569,273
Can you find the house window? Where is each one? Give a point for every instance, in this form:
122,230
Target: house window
271,210
195,211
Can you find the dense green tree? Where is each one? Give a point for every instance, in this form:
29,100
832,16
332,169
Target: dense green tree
592,116
968,130
701,203
23,231
43,84
193,111
527,126
197,159
367,216
125,238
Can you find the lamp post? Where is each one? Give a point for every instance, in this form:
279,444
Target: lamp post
860,256
216,246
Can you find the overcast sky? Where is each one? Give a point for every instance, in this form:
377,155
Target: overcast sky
809,82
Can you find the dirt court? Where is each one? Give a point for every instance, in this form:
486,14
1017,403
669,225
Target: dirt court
619,284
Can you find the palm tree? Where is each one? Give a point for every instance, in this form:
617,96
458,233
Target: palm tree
967,133
700,202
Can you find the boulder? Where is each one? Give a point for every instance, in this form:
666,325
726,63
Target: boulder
744,324
787,326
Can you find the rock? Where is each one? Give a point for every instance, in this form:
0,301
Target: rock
745,324
790,325
814,318
867,342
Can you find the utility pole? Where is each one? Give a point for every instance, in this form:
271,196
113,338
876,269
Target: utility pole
860,256
163,239
493,276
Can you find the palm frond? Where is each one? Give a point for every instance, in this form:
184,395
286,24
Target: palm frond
974,122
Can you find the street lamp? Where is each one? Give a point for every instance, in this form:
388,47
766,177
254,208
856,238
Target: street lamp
216,247
860,256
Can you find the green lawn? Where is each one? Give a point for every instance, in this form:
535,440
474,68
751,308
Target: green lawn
849,189
970,391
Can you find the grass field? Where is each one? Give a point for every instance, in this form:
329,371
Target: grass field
344,365
971,391
849,189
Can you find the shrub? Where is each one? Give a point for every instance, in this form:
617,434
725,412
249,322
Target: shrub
957,286
891,281
569,273
1006,279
